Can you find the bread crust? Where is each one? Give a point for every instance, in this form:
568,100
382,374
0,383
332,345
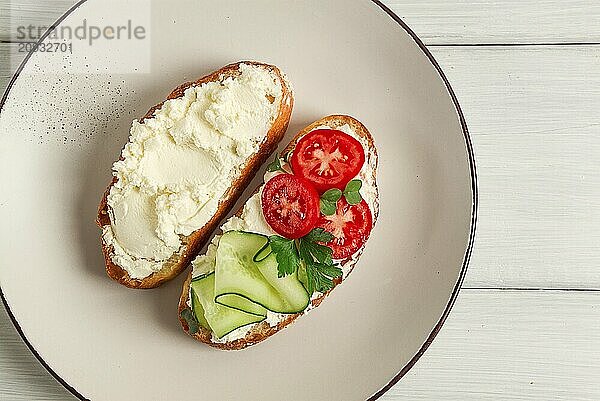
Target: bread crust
193,243
261,331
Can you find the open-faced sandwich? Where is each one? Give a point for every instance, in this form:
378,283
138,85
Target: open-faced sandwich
186,163
293,241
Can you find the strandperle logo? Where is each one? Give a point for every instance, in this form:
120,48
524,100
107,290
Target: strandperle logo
108,37
84,32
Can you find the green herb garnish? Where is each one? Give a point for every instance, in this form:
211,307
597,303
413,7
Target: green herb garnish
352,192
286,255
190,319
310,253
320,277
311,245
275,165
329,200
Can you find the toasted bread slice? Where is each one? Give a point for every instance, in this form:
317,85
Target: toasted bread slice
194,242
260,331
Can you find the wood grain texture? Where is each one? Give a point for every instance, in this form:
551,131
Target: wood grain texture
435,21
14,13
505,21
533,116
512,345
22,378
8,55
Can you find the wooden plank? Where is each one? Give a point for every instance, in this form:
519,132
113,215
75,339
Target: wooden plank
9,58
512,345
435,21
509,345
14,13
533,115
506,21
21,375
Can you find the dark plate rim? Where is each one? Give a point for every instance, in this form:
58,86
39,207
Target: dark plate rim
474,207
466,259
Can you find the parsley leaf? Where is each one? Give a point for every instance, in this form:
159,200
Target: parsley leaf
352,192
190,319
310,247
320,270
327,208
320,276
330,270
275,165
286,255
328,201
318,235
309,252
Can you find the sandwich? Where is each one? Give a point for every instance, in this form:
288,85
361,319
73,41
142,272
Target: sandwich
186,163
296,238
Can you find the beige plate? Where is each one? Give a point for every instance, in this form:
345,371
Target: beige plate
60,133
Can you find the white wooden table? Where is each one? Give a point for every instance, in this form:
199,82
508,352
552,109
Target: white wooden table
527,322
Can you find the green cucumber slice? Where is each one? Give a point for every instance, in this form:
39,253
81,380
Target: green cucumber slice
199,310
222,320
240,303
263,253
301,273
240,275
294,295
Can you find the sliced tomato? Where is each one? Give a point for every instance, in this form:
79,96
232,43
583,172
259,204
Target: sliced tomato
350,226
328,158
290,205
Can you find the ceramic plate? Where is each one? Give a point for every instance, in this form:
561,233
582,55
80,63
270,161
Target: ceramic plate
65,118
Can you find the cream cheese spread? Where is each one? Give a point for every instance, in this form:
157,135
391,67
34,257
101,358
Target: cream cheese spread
252,220
179,164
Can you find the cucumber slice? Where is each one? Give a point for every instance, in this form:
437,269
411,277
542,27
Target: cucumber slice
240,303
199,310
240,275
289,288
263,253
301,273
221,319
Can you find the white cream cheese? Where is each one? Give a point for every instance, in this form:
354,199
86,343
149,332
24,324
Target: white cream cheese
252,219
179,164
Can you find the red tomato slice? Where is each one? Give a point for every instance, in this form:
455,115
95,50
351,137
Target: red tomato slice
350,225
290,205
328,158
